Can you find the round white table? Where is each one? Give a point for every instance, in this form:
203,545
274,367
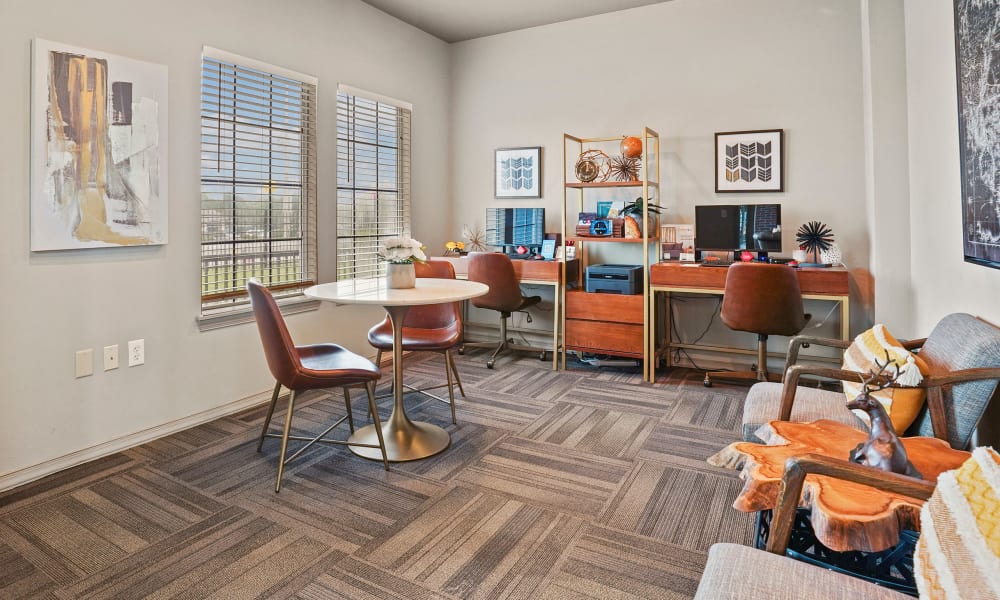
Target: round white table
404,439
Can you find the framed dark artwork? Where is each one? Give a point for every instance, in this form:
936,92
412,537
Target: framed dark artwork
518,173
977,28
750,161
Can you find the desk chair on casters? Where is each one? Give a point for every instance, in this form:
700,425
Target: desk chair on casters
762,299
428,328
497,271
301,368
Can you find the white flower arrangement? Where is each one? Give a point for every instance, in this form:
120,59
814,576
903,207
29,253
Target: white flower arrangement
402,250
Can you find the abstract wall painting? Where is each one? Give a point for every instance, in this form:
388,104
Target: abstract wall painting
977,54
750,161
99,149
518,173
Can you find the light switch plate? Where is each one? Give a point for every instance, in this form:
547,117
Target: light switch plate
85,362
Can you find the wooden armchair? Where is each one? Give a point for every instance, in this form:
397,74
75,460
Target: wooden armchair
962,353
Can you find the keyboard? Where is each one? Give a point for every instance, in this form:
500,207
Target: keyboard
716,263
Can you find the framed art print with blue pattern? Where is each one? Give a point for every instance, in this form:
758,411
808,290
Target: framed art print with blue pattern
518,173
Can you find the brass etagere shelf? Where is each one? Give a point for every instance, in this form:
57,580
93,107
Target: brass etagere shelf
625,333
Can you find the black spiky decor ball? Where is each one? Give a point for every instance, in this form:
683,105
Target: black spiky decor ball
814,237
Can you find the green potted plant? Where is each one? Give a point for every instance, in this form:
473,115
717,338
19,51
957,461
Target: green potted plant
634,209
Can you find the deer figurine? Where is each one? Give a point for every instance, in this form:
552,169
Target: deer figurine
883,450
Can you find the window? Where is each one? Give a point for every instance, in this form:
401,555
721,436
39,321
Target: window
373,179
258,179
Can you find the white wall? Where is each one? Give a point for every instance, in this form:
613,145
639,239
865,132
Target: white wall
688,69
886,165
942,281
57,303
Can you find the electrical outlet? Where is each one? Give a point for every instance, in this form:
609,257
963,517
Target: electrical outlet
84,362
136,353
110,357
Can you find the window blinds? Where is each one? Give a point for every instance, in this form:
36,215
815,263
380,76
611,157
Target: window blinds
373,180
258,178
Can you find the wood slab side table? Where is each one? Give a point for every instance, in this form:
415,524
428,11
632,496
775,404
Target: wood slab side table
845,515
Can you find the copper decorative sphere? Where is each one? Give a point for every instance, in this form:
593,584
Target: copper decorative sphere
631,147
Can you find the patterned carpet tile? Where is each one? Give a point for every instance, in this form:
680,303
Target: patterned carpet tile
603,563
634,399
344,501
685,445
539,384
63,481
472,544
353,579
710,408
21,579
469,441
685,507
546,474
84,531
591,429
187,440
231,554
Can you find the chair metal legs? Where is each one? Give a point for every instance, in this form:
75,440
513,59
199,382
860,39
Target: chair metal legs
270,413
370,388
283,459
451,372
284,440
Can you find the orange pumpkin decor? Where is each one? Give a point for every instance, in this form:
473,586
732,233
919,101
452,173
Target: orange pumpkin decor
631,147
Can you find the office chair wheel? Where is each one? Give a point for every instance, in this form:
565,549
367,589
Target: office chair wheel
489,364
461,350
542,355
707,382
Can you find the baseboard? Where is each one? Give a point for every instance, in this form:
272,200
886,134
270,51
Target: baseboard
34,472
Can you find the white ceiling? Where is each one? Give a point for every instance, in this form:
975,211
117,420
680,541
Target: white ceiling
458,20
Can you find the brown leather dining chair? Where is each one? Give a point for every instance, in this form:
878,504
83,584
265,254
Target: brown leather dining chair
301,368
428,328
497,271
762,299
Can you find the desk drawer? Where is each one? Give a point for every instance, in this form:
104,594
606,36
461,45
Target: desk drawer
604,308
620,339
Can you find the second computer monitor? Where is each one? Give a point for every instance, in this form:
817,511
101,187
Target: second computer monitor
731,227
508,228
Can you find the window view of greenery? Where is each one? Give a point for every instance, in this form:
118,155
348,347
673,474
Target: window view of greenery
255,132
373,147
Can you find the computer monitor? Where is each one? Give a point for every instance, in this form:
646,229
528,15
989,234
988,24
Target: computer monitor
731,227
508,228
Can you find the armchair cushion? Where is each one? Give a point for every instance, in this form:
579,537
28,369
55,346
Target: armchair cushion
876,345
960,341
739,572
764,402
958,554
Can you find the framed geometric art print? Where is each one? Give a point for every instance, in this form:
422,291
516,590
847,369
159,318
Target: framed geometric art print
749,161
518,173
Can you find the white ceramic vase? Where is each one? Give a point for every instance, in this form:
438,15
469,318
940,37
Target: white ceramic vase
400,276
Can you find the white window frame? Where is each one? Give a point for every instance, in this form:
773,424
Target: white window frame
373,201
224,299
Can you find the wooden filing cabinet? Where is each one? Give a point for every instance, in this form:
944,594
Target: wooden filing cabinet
604,323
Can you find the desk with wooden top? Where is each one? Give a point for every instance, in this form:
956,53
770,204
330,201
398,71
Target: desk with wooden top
691,278
532,272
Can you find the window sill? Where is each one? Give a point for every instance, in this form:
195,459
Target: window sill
228,317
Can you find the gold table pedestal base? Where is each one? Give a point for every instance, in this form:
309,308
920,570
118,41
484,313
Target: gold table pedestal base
414,441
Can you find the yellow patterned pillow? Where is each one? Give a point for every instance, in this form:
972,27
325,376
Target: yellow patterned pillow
902,405
958,554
